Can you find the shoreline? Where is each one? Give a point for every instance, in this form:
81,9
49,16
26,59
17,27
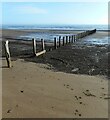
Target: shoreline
87,59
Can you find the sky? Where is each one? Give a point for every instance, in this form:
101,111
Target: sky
55,13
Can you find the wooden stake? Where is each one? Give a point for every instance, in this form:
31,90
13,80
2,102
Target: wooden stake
34,46
69,39
72,37
66,39
7,52
63,41
59,41
55,43
43,45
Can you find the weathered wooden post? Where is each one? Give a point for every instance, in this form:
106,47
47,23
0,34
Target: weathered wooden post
59,41
63,41
34,46
69,39
84,33
43,45
79,35
76,37
7,52
66,39
55,43
72,37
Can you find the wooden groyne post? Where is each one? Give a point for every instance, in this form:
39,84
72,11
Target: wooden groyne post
7,52
72,38
34,46
55,43
69,39
63,41
66,39
43,44
59,41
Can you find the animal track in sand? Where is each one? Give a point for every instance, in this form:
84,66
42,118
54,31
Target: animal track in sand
21,91
80,102
16,105
72,89
52,107
102,88
77,113
79,98
9,111
68,86
88,93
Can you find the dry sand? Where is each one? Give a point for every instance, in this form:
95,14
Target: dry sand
32,91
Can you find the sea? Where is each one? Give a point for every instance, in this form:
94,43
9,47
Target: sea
49,36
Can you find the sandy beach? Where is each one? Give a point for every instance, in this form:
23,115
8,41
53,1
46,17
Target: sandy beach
30,90
44,87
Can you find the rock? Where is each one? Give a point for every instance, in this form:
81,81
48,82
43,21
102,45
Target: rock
91,71
75,70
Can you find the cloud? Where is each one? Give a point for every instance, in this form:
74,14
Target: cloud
31,10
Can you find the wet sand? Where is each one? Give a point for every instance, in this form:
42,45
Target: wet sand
59,84
72,58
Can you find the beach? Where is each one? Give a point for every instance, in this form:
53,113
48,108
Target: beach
70,82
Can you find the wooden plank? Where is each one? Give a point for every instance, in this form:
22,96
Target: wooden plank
40,53
7,52
34,46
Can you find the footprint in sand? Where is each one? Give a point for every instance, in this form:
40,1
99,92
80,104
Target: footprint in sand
80,102
67,86
102,88
21,91
77,113
16,105
9,111
88,93
52,107
79,98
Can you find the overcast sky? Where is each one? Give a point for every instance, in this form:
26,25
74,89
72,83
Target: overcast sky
55,12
